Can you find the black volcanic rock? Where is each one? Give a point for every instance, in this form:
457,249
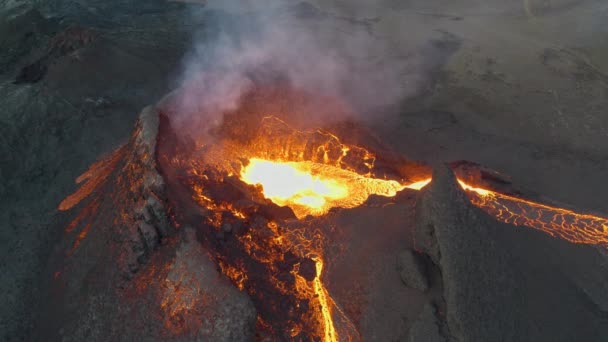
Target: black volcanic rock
31,73
412,270
505,281
84,104
308,269
222,312
426,327
112,277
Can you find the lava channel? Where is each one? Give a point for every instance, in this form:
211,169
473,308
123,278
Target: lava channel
557,222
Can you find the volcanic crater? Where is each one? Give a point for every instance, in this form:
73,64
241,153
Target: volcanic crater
273,226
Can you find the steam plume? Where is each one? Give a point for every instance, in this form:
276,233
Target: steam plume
316,51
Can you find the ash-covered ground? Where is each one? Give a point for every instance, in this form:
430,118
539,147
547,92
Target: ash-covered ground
517,86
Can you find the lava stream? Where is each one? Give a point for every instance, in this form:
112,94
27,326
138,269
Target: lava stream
312,189
330,333
558,222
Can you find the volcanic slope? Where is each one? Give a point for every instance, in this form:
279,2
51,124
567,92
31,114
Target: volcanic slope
523,285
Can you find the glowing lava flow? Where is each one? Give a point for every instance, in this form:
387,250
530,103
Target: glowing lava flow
313,188
330,334
279,264
288,182
310,188
558,222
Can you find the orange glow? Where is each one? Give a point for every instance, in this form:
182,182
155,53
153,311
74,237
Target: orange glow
95,175
267,245
418,185
479,191
330,334
312,188
236,275
558,222
290,182
317,291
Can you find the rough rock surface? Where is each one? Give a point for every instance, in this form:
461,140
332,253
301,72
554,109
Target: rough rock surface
412,270
521,283
426,327
122,261
79,104
221,312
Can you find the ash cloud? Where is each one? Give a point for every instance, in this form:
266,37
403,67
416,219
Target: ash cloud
320,52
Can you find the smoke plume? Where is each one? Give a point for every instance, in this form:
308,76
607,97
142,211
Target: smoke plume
316,51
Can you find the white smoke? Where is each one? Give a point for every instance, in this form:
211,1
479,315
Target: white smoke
319,52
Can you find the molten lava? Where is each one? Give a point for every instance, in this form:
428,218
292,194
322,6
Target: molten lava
248,184
313,188
558,222
288,183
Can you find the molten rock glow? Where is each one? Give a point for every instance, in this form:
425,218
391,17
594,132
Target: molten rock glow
312,188
558,222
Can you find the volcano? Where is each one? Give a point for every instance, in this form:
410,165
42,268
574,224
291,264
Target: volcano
269,227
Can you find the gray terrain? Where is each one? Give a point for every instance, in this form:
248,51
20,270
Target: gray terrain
520,87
